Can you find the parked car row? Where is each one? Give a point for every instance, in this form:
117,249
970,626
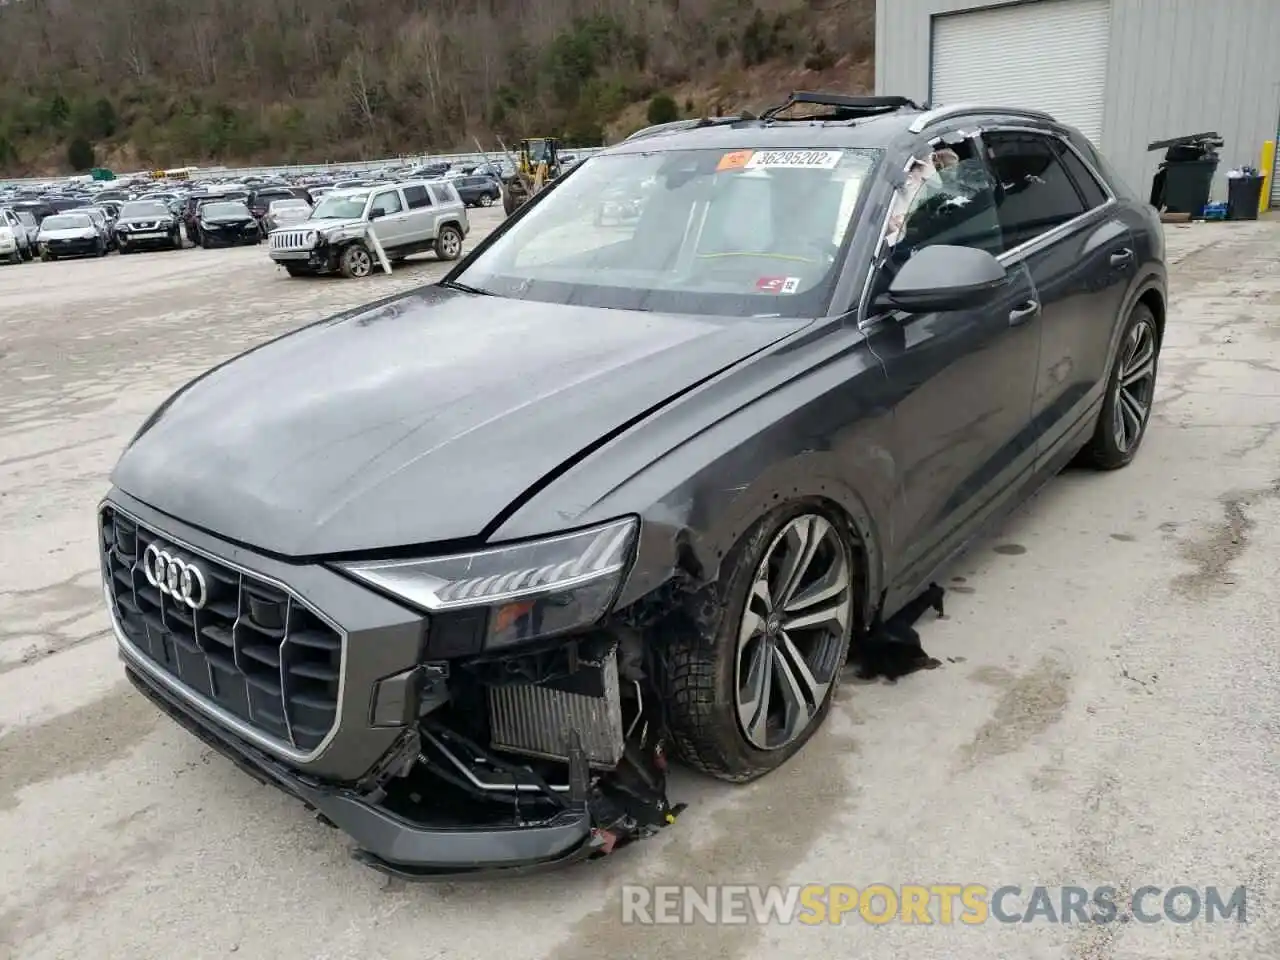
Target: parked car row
349,231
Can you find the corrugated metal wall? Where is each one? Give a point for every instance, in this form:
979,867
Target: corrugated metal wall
1175,67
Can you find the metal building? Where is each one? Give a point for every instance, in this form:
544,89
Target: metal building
1126,72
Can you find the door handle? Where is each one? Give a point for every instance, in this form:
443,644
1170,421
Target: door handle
1122,258
1023,312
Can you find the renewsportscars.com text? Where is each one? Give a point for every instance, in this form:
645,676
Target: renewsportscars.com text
968,904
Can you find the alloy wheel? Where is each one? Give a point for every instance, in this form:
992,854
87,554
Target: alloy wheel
450,244
1135,386
360,262
793,632
485,200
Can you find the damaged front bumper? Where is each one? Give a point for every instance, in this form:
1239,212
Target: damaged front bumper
388,841
586,817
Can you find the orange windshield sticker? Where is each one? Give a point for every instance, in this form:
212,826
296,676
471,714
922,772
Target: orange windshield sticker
734,161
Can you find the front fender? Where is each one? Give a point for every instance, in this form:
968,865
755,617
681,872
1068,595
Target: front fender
809,419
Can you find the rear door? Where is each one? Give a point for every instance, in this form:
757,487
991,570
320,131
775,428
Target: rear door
421,224
960,382
1059,221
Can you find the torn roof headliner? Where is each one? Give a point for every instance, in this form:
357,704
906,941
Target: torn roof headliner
871,132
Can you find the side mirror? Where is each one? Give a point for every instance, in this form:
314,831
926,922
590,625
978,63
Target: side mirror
942,278
375,214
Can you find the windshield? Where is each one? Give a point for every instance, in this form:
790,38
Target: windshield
67,222
294,206
225,210
738,233
142,209
349,207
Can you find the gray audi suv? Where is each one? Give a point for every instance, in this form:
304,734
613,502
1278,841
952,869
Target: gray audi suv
464,569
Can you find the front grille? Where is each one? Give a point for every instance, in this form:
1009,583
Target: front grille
290,240
252,648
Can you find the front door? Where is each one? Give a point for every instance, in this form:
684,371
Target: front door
960,383
390,226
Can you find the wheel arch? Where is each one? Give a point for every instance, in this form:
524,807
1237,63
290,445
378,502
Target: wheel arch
690,544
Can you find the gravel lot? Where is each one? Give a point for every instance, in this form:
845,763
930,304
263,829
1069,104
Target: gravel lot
1107,710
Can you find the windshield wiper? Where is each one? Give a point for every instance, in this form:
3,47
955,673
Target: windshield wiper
465,288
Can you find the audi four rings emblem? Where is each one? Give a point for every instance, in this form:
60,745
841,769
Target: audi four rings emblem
180,579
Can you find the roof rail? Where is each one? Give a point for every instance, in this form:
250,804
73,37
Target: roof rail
846,107
660,128
938,114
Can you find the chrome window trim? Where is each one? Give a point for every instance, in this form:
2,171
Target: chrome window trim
137,658
927,119
1013,254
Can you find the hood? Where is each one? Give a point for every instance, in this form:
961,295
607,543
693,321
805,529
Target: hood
69,233
131,221
228,220
413,421
334,223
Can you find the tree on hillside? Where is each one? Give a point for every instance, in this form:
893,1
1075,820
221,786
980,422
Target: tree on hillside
663,109
80,155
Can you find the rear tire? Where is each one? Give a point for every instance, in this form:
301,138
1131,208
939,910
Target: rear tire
721,723
1126,410
449,243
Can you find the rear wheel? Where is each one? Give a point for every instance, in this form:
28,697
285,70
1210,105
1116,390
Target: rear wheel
753,681
486,200
1126,409
449,243
356,262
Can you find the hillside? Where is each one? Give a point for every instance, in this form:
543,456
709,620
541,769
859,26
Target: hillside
155,83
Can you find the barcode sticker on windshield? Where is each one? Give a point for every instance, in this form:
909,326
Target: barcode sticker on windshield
796,159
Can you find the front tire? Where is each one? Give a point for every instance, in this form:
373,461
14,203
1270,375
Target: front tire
1126,410
753,678
356,262
486,200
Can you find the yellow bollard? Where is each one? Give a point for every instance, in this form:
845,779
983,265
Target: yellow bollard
1267,166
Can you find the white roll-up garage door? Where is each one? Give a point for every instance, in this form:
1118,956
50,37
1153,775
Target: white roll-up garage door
1046,55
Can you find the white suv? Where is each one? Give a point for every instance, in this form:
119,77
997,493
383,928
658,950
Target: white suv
16,244
347,226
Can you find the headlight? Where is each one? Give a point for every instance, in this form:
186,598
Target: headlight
311,238
525,590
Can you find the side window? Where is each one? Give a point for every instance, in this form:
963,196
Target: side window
1035,192
417,197
387,203
949,197
1086,183
443,193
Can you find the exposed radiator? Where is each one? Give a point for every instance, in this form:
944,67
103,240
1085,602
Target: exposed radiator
535,719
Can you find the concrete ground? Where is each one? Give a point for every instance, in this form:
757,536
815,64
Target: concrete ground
1107,710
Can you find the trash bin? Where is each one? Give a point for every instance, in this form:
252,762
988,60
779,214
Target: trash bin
1185,176
1244,197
